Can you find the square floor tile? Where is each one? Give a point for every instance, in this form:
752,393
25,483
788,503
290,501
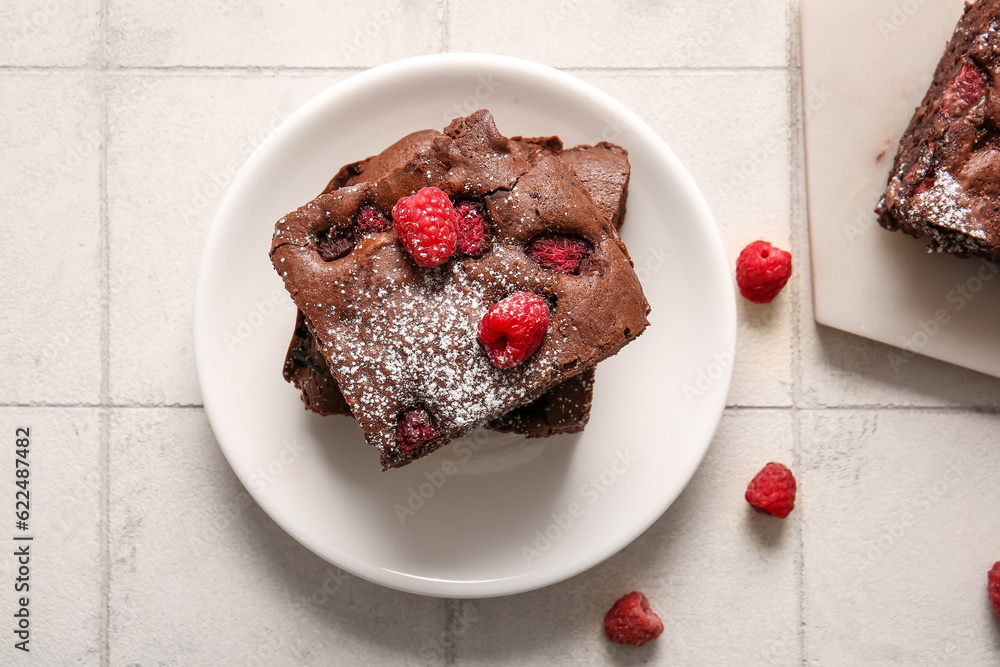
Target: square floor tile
899,529
241,33
50,240
201,576
624,33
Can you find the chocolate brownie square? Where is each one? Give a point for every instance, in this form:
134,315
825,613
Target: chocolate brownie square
945,180
401,339
603,169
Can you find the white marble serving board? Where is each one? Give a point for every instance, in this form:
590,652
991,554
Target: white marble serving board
866,65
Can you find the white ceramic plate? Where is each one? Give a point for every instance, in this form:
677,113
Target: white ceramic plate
492,514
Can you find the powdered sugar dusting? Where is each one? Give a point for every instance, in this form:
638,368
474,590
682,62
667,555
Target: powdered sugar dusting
421,347
397,336
942,205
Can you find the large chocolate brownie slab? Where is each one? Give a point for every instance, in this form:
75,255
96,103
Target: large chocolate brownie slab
400,338
945,180
603,169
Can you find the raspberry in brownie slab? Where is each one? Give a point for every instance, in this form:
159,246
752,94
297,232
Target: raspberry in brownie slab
945,180
399,337
603,169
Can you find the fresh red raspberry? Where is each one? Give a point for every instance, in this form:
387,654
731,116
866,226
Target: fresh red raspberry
963,93
415,428
335,244
631,621
772,491
559,252
470,219
762,270
993,587
924,186
514,328
426,226
370,221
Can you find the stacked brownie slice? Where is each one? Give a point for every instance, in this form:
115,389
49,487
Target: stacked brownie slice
394,343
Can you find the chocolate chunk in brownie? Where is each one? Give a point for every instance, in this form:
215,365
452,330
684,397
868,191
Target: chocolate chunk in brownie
945,180
401,340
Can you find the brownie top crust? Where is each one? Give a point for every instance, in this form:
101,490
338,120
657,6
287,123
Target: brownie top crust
604,171
398,336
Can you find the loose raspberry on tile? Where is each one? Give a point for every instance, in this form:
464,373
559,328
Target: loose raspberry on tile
993,587
426,226
514,328
772,491
335,244
370,221
631,621
470,218
415,428
963,93
762,270
559,252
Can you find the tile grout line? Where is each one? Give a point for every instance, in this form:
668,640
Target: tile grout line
105,445
450,650
277,69
449,621
445,35
799,242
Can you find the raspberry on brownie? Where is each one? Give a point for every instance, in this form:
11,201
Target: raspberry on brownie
604,171
945,180
400,338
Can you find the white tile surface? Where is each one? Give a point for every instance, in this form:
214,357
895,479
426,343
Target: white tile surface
624,33
745,178
160,209
50,32
50,239
883,562
899,529
686,564
65,596
201,576
299,33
